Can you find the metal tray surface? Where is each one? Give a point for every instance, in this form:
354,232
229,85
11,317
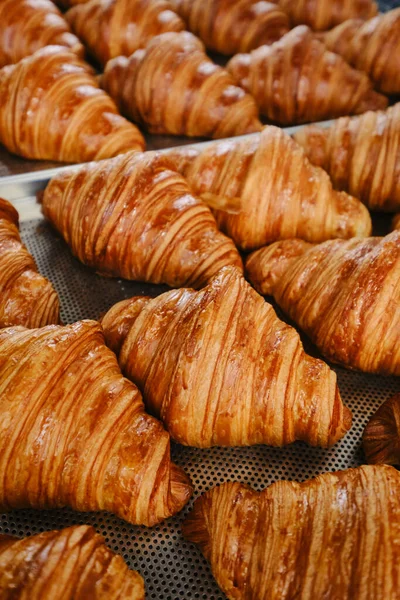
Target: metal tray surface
173,568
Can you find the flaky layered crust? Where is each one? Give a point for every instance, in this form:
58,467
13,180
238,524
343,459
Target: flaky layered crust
381,437
27,25
343,294
325,14
332,537
73,431
372,47
219,368
279,193
172,87
296,80
71,564
361,155
231,26
134,217
52,108
26,298
113,28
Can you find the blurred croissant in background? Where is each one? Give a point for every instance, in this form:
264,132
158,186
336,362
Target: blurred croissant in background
361,155
343,294
220,369
71,564
26,297
325,14
277,192
172,87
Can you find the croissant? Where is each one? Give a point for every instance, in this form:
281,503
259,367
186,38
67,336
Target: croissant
71,564
372,46
112,28
26,298
361,155
173,87
343,294
381,437
235,26
396,222
296,80
281,194
335,536
73,431
51,108
325,14
134,217
220,369
27,26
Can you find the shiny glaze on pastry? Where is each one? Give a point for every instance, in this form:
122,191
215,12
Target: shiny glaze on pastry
325,14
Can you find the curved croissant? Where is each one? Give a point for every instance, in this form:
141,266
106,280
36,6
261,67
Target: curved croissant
73,431
373,47
381,437
134,217
343,294
281,195
112,28
52,108
296,80
27,25
335,536
71,564
220,369
173,87
26,297
235,26
361,155
325,14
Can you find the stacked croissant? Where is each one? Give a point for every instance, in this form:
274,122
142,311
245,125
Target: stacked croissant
88,409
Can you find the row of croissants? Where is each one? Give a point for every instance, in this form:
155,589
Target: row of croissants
341,58
88,410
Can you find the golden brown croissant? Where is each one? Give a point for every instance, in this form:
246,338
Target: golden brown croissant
381,437
296,80
373,47
281,194
52,108
343,294
134,217
361,155
233,26
73,431
325,14
112,28
71,564
173,87
27,25
333,537
220,369
26,298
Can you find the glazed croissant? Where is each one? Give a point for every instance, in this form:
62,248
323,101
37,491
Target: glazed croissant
173,87
112,28
73,431
28,25
296,80
235,26
381,437
343,294
26,297
361,155
332,537
71,564
51,108
220,369
134,217
325,14
373,47
281,194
